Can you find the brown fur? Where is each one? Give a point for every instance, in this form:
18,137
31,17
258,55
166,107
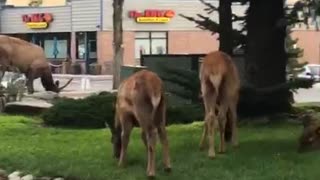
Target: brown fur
30,60
310,137
220,86
140,102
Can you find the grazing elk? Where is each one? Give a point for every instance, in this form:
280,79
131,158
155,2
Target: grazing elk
310,137
29,59
140,102
220,86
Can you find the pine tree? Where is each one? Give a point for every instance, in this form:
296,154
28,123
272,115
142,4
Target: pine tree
294,67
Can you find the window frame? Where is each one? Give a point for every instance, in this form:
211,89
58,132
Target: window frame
150,38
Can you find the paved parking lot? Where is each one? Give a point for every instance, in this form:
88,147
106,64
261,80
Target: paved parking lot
104,83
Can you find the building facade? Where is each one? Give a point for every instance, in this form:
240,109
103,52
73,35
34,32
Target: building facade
82,29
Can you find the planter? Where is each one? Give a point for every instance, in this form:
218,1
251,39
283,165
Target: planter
11,98
75,68
66,65
95,69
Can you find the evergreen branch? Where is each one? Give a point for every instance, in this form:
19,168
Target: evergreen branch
236,18
210,7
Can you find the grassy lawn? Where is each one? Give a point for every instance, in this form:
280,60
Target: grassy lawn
265,152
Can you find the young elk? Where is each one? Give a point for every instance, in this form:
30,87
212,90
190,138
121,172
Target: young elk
220,86
140,102
310,137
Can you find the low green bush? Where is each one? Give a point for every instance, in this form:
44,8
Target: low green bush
90,112
184,114
96,110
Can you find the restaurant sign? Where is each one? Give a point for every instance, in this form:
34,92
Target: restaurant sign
152,16
38,20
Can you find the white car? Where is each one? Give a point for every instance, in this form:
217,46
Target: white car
311,71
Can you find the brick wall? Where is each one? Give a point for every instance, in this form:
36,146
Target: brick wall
310,42
179,42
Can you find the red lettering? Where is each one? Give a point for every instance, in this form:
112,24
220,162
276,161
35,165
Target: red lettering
39,17
151,13
25,18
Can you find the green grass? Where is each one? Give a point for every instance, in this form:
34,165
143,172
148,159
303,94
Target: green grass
266,152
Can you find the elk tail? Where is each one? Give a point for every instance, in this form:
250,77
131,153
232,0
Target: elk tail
155,101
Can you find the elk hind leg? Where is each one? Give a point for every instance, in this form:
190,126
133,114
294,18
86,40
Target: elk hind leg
222,126
234,130
160,119
125,137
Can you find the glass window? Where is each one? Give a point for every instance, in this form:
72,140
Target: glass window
159,46
80,45
56,48
90,39
142,34
142,46
158,35
92,49
150,43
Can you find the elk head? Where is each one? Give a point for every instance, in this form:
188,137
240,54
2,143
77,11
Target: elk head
116,141
57,89
115,132
310,137
50,85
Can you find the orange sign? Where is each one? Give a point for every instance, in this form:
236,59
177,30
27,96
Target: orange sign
152,16
38,20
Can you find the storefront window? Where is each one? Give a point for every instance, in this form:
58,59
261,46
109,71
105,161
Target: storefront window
56,49
90,38
80,45
150,43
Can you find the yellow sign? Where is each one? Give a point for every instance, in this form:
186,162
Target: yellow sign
37,25
153,19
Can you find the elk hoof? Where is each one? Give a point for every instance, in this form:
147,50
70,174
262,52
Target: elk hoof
167,169
235,145
121,165
151,177
202,147
211,155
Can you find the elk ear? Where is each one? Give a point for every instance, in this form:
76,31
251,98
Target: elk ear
57,83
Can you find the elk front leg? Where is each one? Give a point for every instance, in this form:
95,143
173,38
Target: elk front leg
125,136
30,83
165,147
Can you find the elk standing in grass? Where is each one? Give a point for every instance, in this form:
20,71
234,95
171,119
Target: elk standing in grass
310,137
29,59
220,86
140,102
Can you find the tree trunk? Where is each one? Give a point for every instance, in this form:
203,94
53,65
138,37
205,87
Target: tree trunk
225,29
117,41
266,56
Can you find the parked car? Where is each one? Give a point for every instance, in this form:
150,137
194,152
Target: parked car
311,71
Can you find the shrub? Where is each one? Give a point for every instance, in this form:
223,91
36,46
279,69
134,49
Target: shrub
96,110
90,112
184,114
